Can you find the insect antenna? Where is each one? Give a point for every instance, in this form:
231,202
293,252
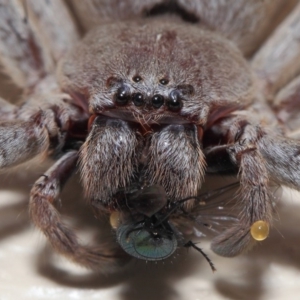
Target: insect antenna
193,245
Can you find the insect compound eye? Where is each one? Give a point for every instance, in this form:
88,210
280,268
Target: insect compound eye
138,99
174,102
157,101
143,244
164,81
122,95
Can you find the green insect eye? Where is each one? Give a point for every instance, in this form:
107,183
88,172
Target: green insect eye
142,244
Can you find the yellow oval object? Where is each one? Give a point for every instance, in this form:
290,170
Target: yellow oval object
114,219
260,230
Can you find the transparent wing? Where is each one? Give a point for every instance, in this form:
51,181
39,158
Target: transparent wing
214,211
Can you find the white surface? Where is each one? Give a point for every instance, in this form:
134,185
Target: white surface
28,270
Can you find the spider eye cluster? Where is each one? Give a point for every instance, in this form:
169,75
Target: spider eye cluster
173,102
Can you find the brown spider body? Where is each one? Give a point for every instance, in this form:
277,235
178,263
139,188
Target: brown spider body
152,51
153,102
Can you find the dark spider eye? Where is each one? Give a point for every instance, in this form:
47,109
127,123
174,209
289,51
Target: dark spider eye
164,81
157,101
122,96
138,99
186,89
174,102
112,81
137,78
145,244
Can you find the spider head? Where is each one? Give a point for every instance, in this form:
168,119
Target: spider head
151,88
157,72
146,101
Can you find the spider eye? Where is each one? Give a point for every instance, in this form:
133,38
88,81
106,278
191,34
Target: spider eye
122,96
186,89
137,78
145,245
164,81
174,102
112,81
138,99
157,101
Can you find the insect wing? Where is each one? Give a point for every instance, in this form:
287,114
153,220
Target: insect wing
213,212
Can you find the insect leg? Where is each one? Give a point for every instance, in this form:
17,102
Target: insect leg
23,56
7,110
243,150
287,108
93,12
275,157
41,125
51,21
33,36
193,245
45,216
234,18
282,157
278,61
22,140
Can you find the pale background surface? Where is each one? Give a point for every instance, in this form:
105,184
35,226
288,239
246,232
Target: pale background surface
29,270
